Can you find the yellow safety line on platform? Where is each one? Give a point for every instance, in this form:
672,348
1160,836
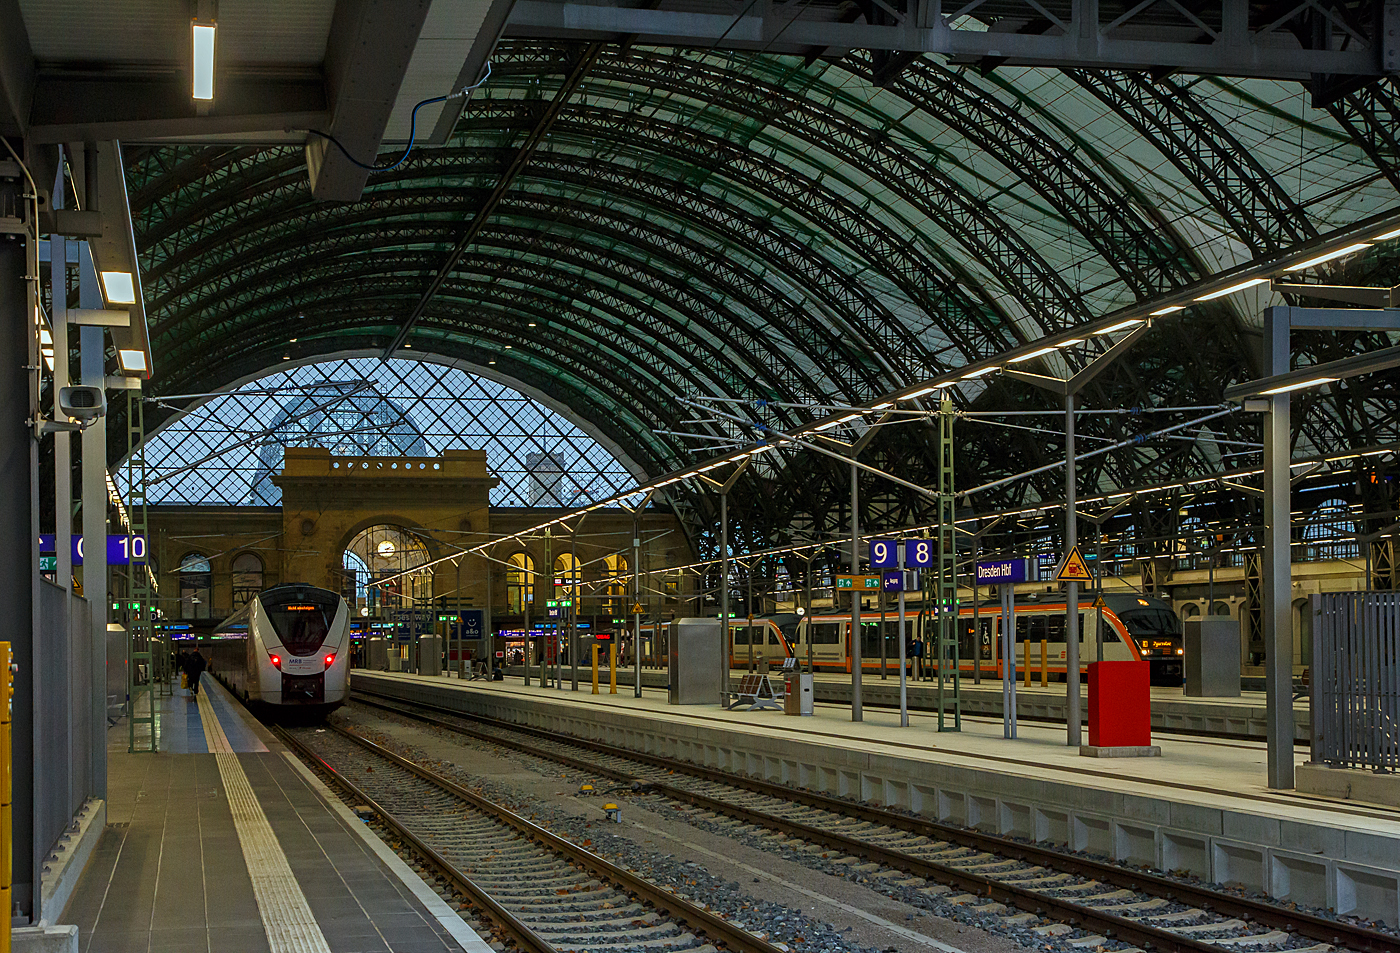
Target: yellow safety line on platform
286,916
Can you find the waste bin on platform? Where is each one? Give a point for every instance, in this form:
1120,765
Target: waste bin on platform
797,693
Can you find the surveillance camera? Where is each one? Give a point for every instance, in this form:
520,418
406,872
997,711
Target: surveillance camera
82,403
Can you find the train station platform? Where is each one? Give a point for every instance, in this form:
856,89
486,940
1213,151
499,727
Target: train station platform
1172,709
223,841
1202,808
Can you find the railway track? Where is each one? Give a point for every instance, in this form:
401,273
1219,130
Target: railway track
543,893
986,873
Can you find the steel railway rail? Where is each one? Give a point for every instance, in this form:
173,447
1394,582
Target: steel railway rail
543,892
1123,904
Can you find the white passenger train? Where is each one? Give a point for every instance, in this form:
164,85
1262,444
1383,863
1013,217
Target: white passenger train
287,652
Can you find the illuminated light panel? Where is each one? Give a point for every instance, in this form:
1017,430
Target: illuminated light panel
1222,292
1122,325
983,371
202,40
920,393
1286,388
132,361
1169,309
119,287
1394,233
1339,253
1071,343
1032,354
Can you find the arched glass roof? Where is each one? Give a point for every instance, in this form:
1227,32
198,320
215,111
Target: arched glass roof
778,232
223,451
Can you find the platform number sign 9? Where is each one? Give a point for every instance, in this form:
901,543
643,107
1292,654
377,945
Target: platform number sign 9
883,554
918,553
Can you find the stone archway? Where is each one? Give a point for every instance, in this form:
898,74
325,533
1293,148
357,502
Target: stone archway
329,502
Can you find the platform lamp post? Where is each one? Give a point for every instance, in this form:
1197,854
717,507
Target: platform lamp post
724,489
1069,391
637,598
574,593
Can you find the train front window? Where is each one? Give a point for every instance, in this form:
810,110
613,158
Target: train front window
301,623
1151,623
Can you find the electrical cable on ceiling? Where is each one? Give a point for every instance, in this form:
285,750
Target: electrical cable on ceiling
412,127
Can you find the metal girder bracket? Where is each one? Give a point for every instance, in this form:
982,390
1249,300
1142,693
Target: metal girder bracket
1086,375
1367,363
1367,297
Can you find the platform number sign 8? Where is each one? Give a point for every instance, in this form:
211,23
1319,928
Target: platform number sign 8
918,552
883,554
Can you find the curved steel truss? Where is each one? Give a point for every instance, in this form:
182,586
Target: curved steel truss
782,233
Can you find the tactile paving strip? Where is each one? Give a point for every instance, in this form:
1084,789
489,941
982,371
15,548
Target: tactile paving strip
286,916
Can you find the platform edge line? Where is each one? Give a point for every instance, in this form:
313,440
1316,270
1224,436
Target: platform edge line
469,939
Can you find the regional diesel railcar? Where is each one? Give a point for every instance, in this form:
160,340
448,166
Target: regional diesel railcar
1134,628
287,652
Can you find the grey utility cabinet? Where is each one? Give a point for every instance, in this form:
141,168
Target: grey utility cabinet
1212,659
695,655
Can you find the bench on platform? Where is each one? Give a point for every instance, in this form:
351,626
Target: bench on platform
756,691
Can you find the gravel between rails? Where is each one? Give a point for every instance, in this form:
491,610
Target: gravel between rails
1181,919
565,905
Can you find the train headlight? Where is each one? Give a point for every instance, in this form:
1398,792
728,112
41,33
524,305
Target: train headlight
1180,651
329,659
276,662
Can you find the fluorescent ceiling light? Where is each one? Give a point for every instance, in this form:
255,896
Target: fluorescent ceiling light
1070,343
202,35
119,287
885,406
920,393
1169,309
1122,325
1339,253
1300,385
132,361
45,337
1211,296
1032,354
985,370
1394,233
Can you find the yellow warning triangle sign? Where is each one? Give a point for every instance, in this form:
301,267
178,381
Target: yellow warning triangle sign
1073,568
637,608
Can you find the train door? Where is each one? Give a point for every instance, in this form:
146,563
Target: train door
827,642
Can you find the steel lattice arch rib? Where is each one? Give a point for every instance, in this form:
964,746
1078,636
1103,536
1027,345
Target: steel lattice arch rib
777,230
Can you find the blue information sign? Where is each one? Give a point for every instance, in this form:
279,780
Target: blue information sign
1004,570
918,553
121,550
472,624
884,554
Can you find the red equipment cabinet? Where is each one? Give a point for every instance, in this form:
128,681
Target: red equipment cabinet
1120,704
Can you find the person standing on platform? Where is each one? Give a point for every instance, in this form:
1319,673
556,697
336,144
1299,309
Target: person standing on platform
919,669
194,667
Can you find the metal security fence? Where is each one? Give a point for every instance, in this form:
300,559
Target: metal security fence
1356,680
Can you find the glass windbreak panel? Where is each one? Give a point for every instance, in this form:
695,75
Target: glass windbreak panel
825,633
301,619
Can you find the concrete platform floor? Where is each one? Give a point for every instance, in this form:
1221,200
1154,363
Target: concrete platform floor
1217,773
189,862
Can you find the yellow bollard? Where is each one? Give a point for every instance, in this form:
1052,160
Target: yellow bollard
7,785
612,668
1026,660
1044,663
595,668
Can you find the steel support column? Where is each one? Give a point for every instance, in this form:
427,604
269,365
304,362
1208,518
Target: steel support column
857,668
1276,559
1072,726
92,344
18,538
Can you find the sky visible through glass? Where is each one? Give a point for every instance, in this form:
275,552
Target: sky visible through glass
223,451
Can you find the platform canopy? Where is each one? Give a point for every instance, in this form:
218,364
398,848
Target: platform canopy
624,227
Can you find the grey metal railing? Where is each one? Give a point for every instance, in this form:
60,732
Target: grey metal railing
1356,680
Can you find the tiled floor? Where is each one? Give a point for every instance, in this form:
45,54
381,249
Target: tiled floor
168,875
